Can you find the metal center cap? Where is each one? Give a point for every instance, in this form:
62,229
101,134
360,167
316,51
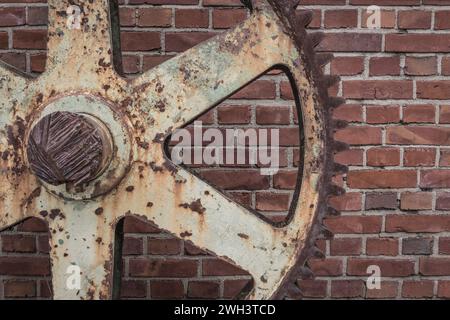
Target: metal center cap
69,148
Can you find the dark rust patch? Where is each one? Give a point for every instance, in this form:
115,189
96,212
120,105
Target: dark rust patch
195,206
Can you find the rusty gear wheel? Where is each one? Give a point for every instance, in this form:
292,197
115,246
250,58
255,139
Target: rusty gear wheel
80,102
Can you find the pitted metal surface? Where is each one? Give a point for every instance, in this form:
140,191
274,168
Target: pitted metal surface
138,179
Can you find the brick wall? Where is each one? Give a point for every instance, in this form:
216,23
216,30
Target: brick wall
395,82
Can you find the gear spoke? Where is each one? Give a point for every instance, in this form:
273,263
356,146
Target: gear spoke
82,244
79,45
184,205
186,86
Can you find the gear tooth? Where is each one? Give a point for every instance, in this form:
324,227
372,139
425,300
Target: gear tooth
335,190
314,39
330,81
335,102
340,146
332,212
326,233
323,59
305,273
305,18
339,168
339,124
317,253
293,291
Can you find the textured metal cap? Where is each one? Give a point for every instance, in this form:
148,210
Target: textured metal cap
66,147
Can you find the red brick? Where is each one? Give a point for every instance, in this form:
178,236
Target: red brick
37,16
415,223
162,268
326,267
133,289
154,17
341,18
359,135
260,89
354,224
3,40
382,179
417,246
217,267
227,18
443,201
381,200
230,3
17,60
345,247
33,225
245,180
380,157
444,245
388,289
442,20
24,266
416,201
233,288
351,201
266,201
191,18
181,41
382,114
353,157
384,66
420,66
167,289
378,89
203,289
434,266
12,17
443,289
234,114
414,19
350,42
347,289
30,39
382,246
417,289
18,243
444,114
435,179
389,267
19,289
420,43
132,246
38,62
419,157
313,288
134,225
127,17
273,115
436,89
407,135
349,112
419,113
140,41
388,18
285,179
163,246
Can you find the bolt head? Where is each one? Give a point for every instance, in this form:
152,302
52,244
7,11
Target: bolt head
69,148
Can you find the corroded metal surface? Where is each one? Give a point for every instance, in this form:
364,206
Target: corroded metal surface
66,147
139,180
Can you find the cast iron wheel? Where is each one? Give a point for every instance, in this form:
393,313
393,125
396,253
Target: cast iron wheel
81,147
